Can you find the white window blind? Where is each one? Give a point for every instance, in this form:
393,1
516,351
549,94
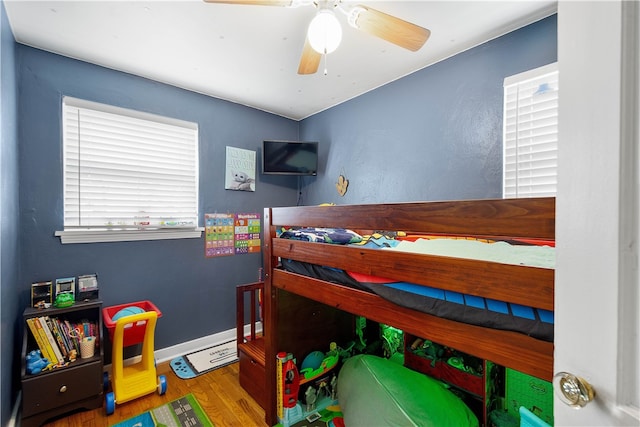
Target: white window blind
530,133
126,170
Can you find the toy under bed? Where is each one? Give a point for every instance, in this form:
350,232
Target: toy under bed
373,391
466,308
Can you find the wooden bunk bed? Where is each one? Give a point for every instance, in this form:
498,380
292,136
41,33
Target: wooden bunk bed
300,312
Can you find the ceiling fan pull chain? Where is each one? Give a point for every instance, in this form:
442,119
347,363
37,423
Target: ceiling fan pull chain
325,63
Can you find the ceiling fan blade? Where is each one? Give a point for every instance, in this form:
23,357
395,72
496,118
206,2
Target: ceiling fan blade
284,3
310,59
392,29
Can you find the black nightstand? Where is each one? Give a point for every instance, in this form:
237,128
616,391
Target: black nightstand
78,385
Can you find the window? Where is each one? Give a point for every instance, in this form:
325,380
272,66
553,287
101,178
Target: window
127,175
530,133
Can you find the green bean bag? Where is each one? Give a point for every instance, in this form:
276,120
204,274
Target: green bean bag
375,392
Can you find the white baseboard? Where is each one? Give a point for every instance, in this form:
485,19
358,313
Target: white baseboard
168,353
14,420
181,349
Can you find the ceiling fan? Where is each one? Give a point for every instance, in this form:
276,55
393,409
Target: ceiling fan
325,33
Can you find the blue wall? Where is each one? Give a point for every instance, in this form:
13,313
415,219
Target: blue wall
433,135
195,294
10,309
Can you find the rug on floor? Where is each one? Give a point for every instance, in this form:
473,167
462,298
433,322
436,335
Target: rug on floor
183,412
202,361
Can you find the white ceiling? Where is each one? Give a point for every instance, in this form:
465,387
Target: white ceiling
250,54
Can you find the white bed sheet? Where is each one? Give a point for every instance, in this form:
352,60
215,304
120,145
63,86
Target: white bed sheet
501,252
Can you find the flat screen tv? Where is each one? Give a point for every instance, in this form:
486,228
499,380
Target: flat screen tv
289,158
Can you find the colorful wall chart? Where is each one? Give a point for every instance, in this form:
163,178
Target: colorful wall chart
230,234
219,233
247,229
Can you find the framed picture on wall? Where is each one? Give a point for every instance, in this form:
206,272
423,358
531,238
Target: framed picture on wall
240,170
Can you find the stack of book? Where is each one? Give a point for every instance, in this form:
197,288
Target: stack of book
58,339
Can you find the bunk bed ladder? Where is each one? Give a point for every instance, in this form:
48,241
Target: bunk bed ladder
251,350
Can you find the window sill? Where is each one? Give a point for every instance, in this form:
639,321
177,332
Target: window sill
102,236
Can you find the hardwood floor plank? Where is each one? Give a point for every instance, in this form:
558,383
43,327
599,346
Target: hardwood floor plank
236,413
218,392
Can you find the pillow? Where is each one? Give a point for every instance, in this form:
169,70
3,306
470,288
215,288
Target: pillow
338,236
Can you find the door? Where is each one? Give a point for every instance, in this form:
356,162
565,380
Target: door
597,210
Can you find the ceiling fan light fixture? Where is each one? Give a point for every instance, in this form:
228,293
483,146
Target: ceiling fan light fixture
325,32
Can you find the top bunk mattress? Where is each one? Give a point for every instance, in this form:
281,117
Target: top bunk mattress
532,253
471,309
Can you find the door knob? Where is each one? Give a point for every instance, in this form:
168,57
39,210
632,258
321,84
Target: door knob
573,391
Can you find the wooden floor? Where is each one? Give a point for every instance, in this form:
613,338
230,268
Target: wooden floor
219,394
